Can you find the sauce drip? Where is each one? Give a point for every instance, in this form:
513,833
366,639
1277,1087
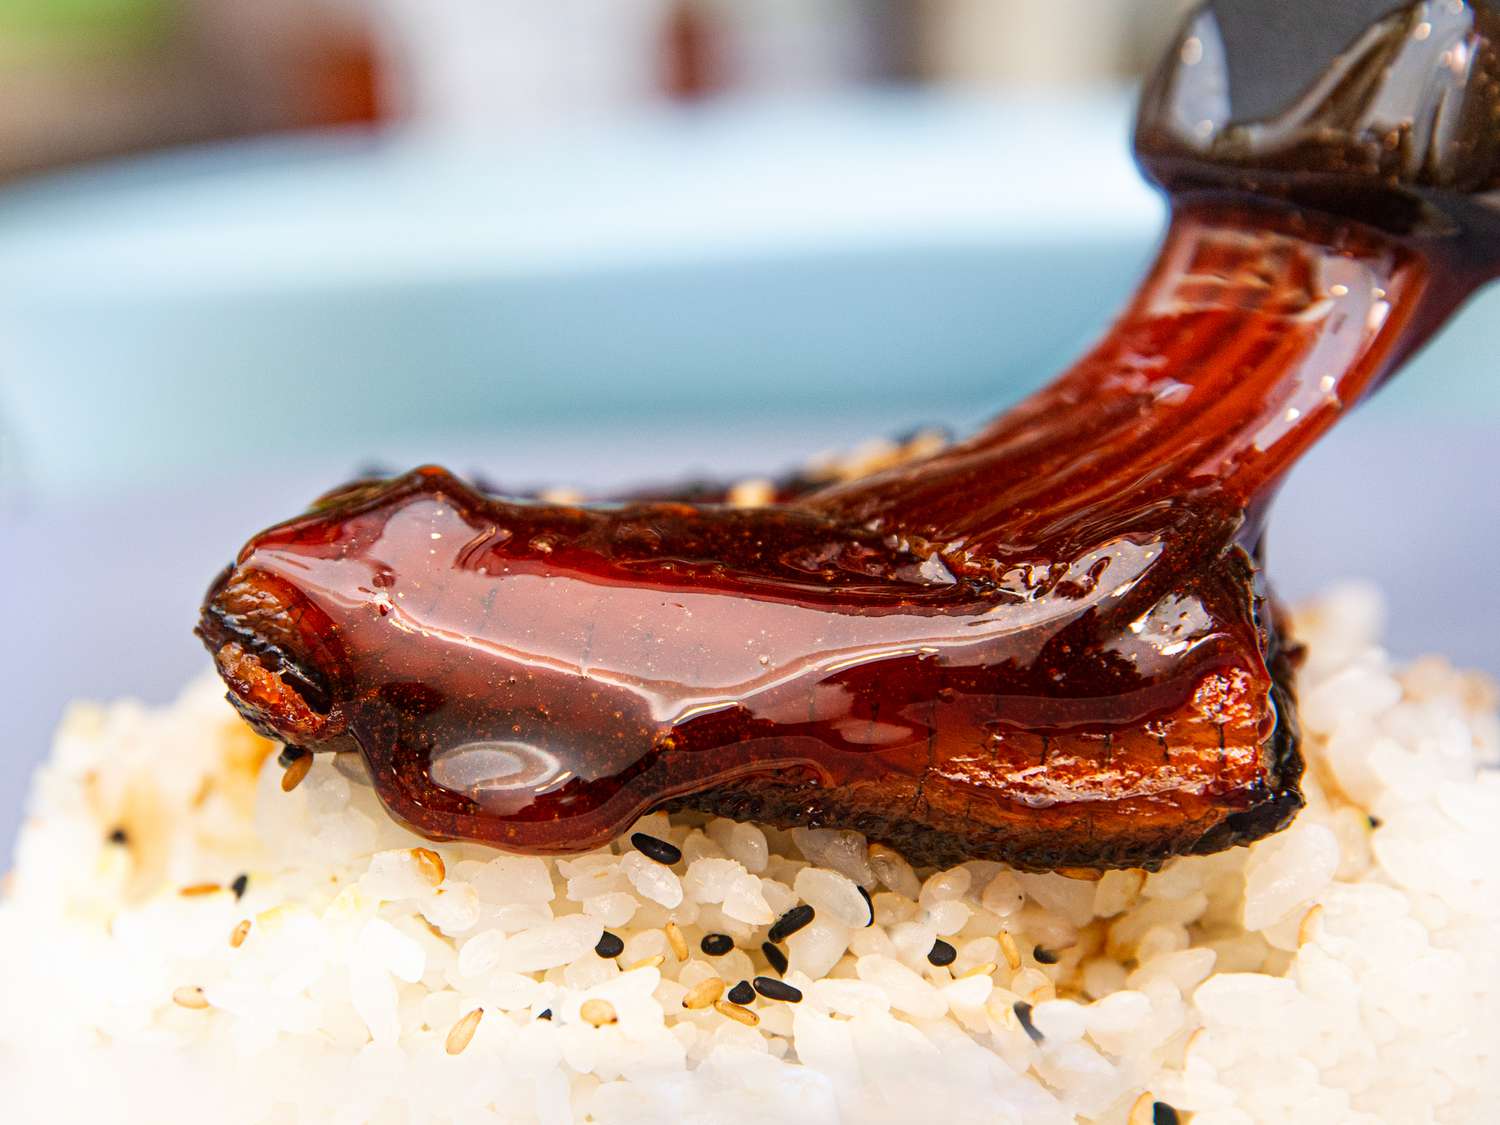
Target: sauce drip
1049,643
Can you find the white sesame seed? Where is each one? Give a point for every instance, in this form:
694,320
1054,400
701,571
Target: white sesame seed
190,996
597,1012
704,993
737,1012
430,864
1008,947
463,1031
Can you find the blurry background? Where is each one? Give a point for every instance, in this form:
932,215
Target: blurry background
246,248
84,79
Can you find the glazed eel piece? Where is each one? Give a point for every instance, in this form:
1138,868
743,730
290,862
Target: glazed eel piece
1050,643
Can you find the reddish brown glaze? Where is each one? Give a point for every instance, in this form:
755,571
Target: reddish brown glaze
1045,643
1049,644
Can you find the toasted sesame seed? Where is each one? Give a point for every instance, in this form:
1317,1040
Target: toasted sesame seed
647,963
597,1012
741,993
1023,1013
737,1012
704,993
982,970
1044,956
430,864
609,945
296,770
118,836
197,890
773,989
677,941
190,997
544,1014
238,935
716,945
463,1031
1084,874
756,492
1008,947
238,886
205,787
1163,1114
1193,1040
942,953
790,922
774,957
869,904
653,848
1140,1111
1309,924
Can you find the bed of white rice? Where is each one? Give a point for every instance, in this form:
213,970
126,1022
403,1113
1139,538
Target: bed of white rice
1343,971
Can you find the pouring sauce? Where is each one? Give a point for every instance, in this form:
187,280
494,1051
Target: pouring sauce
1050,643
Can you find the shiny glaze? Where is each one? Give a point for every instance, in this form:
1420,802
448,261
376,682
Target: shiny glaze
1398,130
1049,643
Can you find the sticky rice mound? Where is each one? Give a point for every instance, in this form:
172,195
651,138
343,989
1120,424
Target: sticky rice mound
182,941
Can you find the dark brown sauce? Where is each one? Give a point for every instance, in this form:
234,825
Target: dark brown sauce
1049,643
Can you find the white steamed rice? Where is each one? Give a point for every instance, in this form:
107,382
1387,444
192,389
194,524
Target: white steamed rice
1342,971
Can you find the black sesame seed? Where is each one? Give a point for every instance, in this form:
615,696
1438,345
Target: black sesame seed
790,922
288,755
241,881
1044,956
1023,1013
774,955
942,953
1163,1114
716,945
118,836
659,850
869,905
741,993
544,1014
609,945
773,989
1375,822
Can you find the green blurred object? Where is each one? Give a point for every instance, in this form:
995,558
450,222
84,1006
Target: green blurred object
32,27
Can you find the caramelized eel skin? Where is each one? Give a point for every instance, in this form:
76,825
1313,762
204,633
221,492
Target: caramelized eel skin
898,723
1050,644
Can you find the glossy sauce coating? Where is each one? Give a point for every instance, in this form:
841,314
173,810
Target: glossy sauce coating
1008,646
1048,644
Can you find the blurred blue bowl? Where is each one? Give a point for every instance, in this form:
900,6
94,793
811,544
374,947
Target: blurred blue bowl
890,257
